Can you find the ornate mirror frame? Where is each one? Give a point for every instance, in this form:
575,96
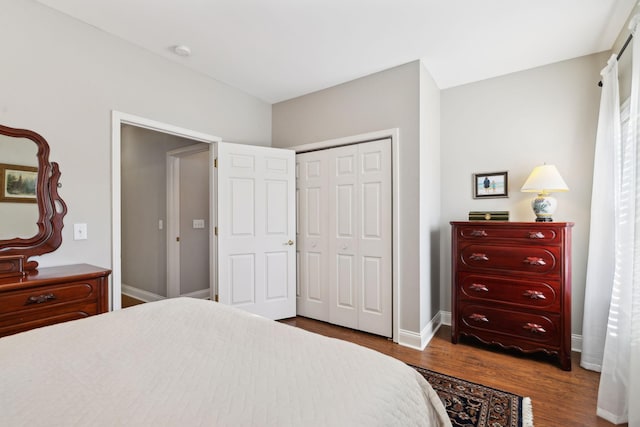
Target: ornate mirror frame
51,210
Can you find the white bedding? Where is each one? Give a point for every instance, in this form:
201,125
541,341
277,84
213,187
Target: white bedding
187,362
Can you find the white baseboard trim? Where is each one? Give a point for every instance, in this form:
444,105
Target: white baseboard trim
140,294
420,341
201,294
576,343
147,296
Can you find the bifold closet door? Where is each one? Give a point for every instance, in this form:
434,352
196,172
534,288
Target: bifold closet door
312,197
360,243
344,239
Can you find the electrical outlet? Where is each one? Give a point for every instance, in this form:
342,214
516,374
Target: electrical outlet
79,231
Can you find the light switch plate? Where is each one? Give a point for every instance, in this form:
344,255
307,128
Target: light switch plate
79,231
198,223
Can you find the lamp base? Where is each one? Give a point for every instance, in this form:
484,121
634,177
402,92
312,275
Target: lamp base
544,206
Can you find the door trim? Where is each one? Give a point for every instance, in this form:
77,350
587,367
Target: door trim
118,119
394,135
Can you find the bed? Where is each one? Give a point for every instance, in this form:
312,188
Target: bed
189,362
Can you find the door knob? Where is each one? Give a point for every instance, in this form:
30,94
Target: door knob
290,243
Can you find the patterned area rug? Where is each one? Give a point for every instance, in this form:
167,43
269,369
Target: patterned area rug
474,405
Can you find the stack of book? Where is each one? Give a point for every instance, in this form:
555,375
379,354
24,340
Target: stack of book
489,216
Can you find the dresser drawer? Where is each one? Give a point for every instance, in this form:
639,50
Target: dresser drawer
537,328
47,296
529,234
537,294
523,259
31,319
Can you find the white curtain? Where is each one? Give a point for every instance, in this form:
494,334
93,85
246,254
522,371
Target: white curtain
619,391
600,265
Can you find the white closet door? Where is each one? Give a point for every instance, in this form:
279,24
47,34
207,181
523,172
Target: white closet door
344,243
360,223
312,173
375,240
344,236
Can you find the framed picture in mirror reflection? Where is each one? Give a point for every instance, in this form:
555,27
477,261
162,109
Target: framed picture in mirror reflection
18,183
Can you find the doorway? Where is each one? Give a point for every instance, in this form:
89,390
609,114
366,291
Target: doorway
119,120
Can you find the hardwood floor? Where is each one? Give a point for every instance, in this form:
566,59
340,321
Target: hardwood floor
128,301
559,398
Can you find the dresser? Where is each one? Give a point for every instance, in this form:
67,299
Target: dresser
52,295
511,285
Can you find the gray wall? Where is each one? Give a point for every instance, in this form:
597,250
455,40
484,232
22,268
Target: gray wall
144,203
194,204
389,99
430,193
62,78
514,123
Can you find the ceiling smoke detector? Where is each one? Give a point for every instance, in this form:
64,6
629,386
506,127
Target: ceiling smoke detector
182,50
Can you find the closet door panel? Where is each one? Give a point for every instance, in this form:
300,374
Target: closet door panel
312,235
375,240
343,225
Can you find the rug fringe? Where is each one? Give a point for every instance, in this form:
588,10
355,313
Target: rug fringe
527,412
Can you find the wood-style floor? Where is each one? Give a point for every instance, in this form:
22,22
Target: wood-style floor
559,398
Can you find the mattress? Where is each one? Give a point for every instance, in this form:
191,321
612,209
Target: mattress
188,362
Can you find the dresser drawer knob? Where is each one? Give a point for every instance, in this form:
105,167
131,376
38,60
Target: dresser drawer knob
479,233
534,328
40,299
536,235
478,317
533,260
479,287
534,294
479,257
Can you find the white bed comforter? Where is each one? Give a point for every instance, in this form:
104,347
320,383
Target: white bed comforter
187,362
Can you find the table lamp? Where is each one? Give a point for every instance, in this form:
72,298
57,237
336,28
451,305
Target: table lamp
543,180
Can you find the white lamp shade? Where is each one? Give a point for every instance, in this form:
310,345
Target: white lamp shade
544,179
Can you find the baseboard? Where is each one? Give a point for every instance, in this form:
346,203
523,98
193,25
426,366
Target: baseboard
576,343
201,294
140,294
420,341
146,296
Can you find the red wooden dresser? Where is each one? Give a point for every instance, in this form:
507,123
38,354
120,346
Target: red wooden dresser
52,295
511,285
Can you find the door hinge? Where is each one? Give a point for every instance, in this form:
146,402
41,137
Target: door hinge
215,162
215,230
177,239
215,298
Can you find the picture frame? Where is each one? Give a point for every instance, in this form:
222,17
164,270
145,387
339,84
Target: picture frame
18,183
490,185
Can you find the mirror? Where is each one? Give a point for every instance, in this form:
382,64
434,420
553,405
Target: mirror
30,207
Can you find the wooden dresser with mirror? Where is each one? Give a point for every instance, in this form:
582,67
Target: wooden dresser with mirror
31,214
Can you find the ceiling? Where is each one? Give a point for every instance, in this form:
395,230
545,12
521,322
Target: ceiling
281,49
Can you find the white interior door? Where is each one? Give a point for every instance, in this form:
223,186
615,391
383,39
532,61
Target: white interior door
312,197
256,229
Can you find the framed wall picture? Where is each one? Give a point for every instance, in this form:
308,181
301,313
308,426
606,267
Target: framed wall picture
490,185
18,183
